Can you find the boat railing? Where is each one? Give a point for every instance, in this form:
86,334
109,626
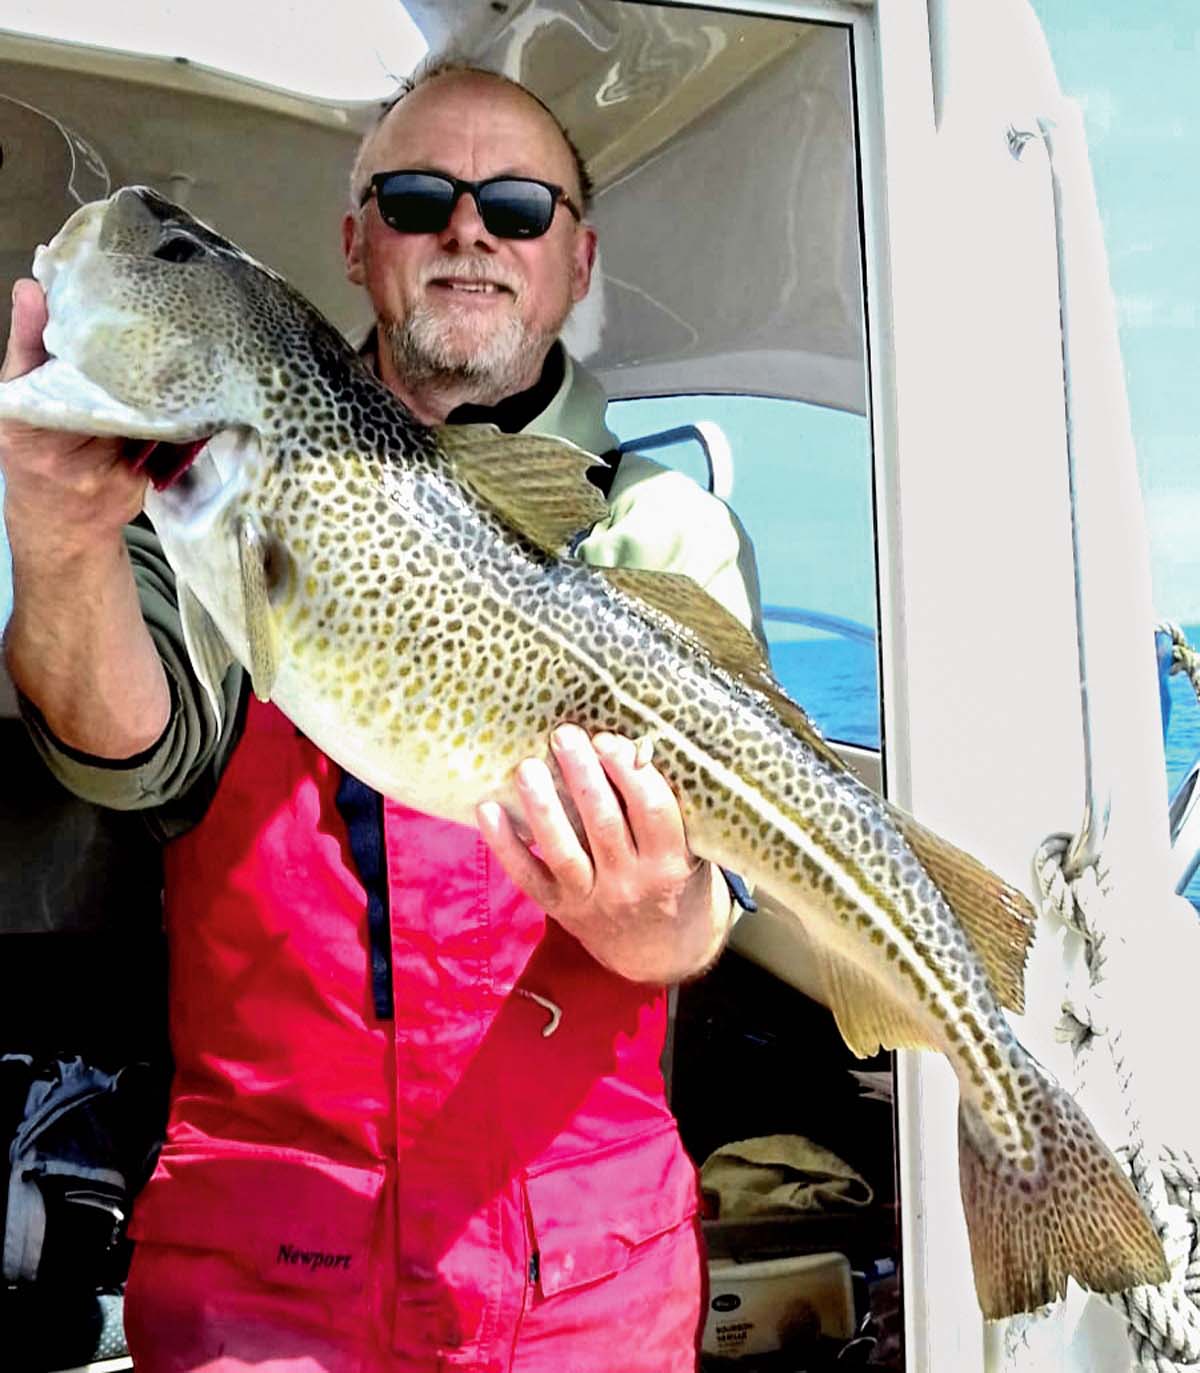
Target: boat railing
712,442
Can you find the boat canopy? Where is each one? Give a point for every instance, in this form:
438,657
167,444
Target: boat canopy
718,272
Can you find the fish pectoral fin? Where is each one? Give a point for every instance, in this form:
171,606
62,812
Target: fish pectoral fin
537,485
254,561
867,1016
210,655
681,606
999,920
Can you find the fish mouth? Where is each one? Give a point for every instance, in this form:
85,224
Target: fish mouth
76,239
161,448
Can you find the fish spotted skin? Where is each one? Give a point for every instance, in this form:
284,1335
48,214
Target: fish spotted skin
404,596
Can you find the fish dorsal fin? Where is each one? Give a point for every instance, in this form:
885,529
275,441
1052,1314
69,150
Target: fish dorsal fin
867,1017
685,602
999,920
538,485
689,610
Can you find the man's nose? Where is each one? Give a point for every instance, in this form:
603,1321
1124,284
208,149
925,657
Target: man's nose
466,228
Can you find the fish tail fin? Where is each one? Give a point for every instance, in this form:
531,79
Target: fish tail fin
1072,1213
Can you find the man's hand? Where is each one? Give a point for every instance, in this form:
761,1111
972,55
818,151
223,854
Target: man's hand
76,644
71,489
635,896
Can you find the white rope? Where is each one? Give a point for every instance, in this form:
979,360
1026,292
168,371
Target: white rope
1164,1321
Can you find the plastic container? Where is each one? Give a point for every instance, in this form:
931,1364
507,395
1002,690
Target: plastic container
777,1304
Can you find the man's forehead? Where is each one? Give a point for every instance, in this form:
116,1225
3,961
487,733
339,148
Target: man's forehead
470,114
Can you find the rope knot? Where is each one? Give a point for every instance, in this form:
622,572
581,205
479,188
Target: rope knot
1164,1321
1078,903
1184,657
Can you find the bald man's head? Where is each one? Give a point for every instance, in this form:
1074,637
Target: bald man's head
461,304
579,186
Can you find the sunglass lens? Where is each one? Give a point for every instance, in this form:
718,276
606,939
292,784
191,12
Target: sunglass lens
514,208
415,203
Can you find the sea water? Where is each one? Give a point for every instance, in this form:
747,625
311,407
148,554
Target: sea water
836,680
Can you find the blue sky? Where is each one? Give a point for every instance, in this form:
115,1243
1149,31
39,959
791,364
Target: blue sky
1135,69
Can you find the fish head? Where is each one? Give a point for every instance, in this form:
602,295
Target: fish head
160,328
172,323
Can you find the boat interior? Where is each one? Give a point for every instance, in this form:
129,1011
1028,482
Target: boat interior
727,324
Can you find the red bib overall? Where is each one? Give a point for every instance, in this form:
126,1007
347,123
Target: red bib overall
449,1189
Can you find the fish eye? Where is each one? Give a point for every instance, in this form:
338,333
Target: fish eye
178,248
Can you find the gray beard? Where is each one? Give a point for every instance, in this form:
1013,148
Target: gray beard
425,354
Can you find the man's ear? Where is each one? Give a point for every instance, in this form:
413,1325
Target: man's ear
353,249
584,260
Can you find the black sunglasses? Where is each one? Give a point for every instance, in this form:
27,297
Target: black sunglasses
414,202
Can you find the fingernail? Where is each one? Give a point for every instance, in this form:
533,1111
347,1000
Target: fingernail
529,773
565,738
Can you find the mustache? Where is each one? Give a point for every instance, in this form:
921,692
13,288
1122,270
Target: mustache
470,269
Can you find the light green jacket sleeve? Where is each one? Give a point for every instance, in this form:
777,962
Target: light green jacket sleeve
658,518
661,520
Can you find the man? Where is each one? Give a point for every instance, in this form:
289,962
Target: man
415,1124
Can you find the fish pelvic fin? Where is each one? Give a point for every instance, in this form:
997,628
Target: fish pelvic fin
537,485
868,1017
999,920
1075,1215
254,562
211,657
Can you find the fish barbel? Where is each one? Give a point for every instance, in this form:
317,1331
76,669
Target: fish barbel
406,596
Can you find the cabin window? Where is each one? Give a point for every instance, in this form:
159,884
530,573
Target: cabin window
798,477
729,293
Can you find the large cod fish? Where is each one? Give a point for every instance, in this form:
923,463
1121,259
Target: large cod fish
407,597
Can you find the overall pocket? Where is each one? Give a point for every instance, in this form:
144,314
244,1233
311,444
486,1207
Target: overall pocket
289,1218
590,1214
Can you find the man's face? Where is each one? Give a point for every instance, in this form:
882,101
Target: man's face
463,303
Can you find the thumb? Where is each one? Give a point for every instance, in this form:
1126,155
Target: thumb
25,350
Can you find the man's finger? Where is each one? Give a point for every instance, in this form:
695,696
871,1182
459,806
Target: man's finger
597,804
516,860
553,833
25,350
651,807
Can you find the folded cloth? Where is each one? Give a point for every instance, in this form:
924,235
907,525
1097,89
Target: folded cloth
776,1175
